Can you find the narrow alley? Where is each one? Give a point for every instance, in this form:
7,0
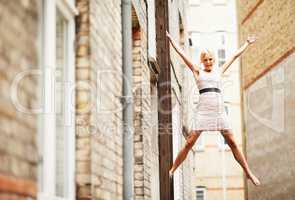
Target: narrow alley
101,98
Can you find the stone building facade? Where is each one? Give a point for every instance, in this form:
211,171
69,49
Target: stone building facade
178,28
18,132
267,71
98,118
72,147
100,54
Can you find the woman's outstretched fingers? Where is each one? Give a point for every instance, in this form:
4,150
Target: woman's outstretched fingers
251,39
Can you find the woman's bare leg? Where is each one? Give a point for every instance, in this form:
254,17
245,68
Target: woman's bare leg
190,141
228,136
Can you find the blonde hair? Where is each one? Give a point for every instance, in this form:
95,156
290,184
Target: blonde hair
206,52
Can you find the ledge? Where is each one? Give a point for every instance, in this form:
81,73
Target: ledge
18,186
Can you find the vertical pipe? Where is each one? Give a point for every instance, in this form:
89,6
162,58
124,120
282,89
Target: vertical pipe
127,100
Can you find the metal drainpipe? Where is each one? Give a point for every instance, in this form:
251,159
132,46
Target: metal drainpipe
128,157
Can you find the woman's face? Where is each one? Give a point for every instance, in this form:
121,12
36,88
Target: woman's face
208,61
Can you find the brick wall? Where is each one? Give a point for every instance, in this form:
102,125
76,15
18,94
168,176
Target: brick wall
18,131
267,71
99,116
272,22
146,150
99,111
178,27
83,102
106,62
138,134
146,166
270,132
99,65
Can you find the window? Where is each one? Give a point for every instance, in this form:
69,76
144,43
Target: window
60,106
152,29
201,193
221,57
222,39
226,109
56,170
221,52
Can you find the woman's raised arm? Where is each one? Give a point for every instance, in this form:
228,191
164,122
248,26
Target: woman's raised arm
187,61
250,40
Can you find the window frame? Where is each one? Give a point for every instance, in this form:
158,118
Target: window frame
221,61
152,51
222,47
47,124
202,189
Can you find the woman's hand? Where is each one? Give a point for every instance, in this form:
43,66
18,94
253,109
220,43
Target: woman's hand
251,39
180,51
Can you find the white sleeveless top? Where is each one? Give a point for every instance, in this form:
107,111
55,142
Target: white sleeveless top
209,79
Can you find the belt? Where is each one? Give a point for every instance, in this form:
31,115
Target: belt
210,90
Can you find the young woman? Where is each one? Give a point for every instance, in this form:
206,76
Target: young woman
211,114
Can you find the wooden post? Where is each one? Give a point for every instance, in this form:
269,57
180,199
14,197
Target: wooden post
164,101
